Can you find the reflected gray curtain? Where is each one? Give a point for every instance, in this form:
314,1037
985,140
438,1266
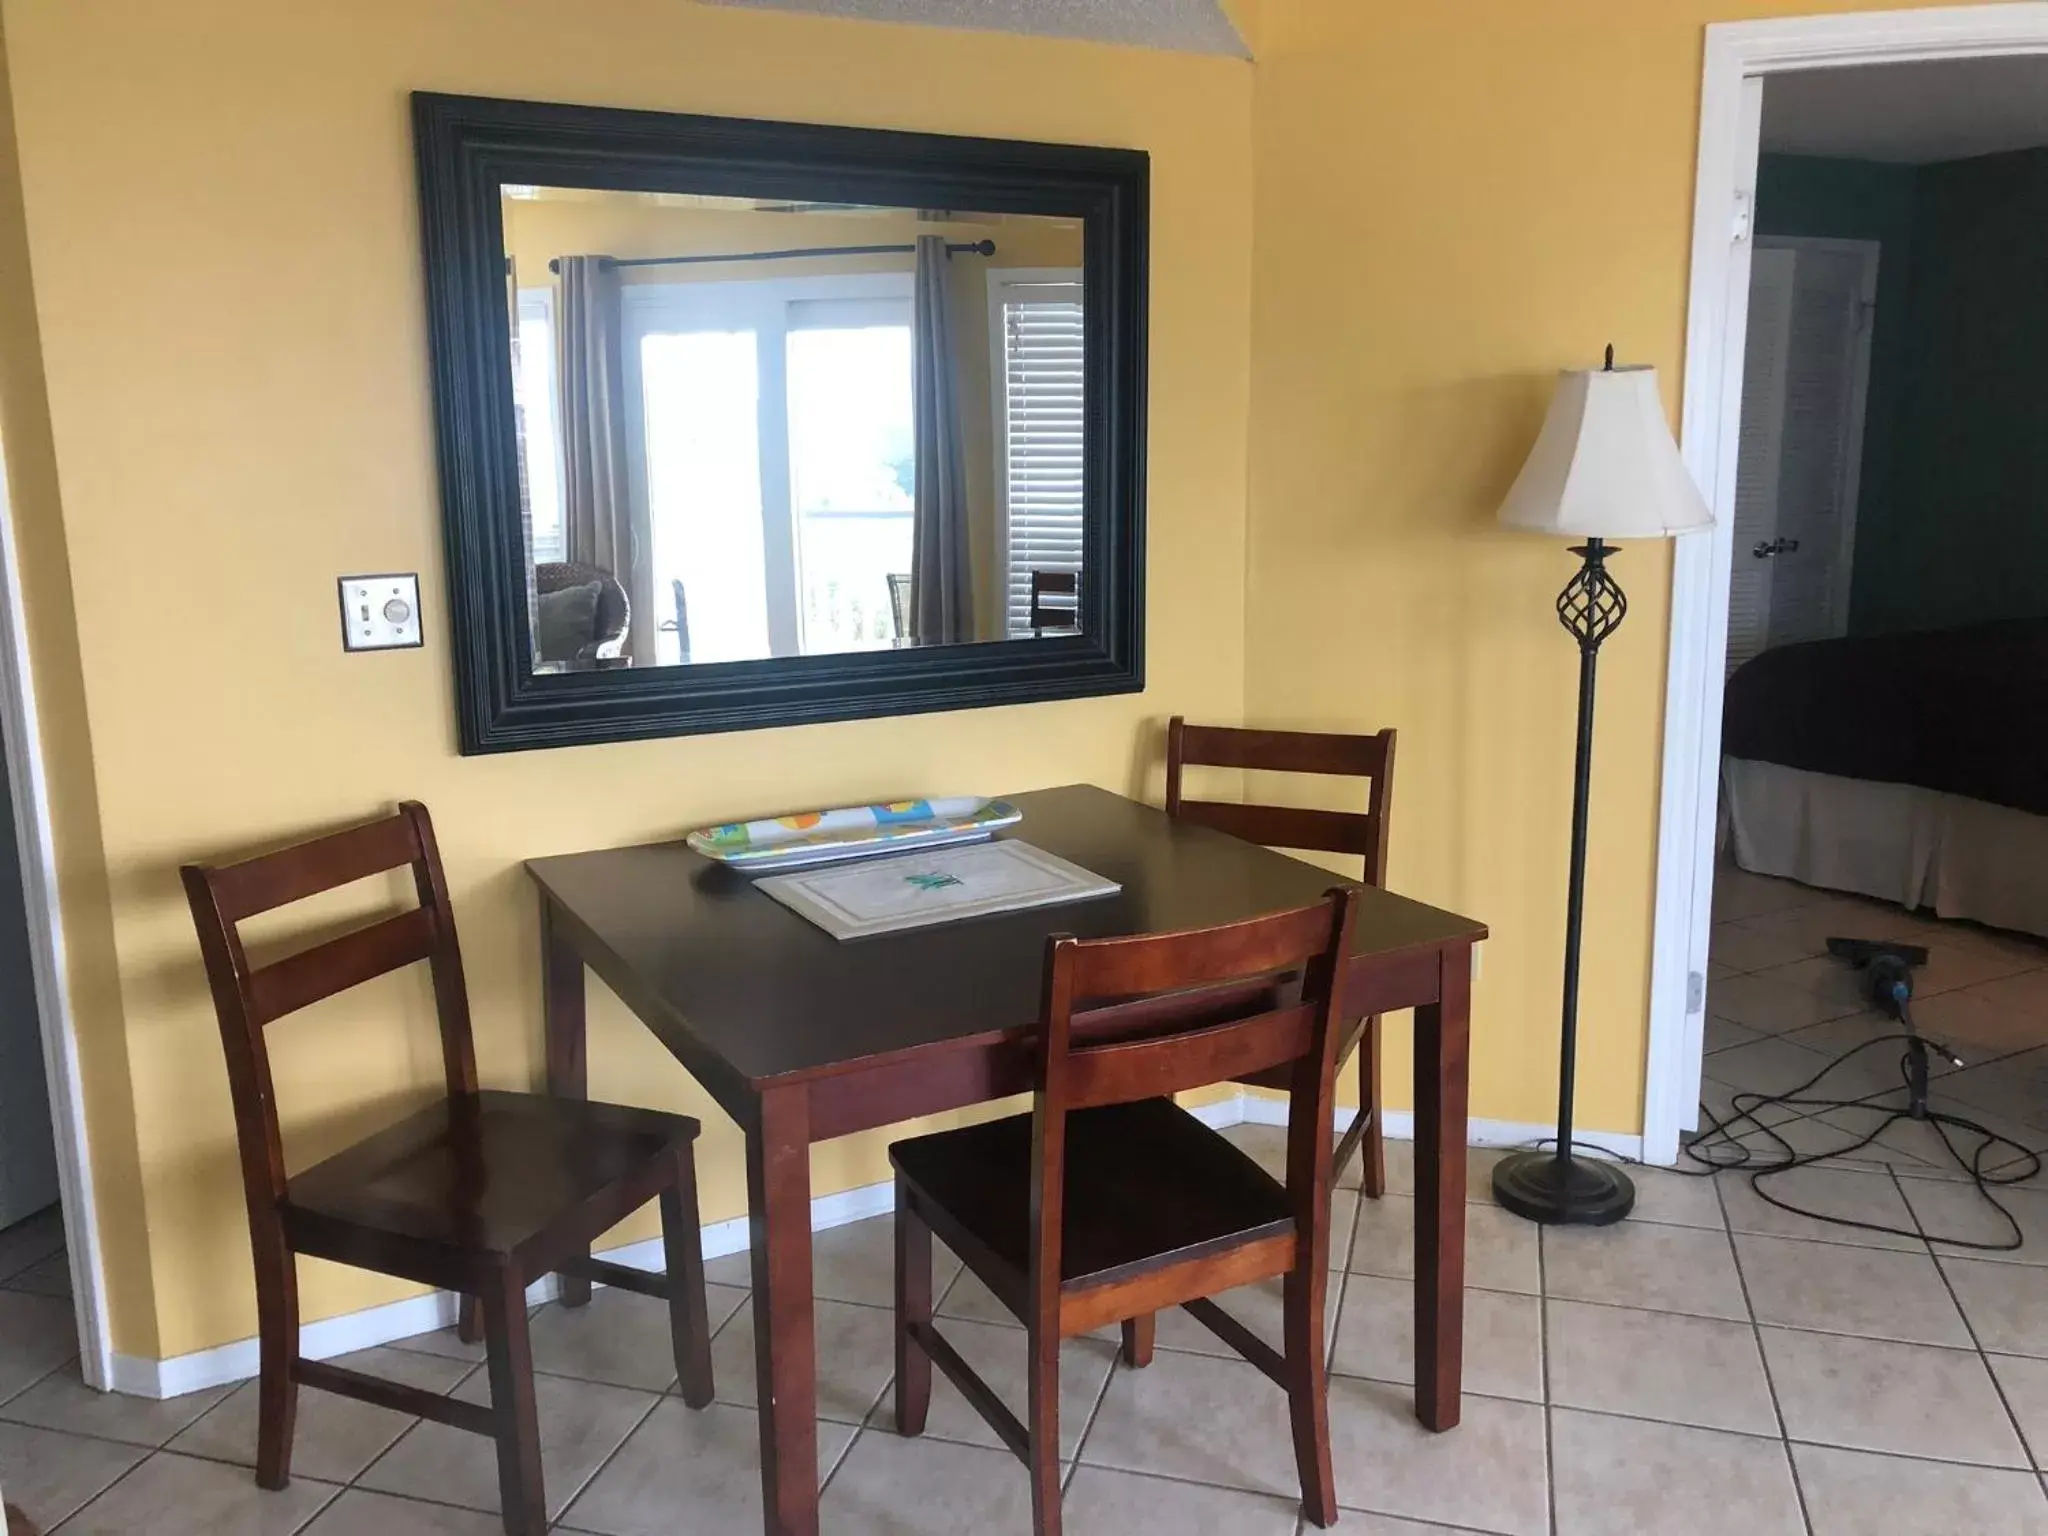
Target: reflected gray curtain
941,571
599,527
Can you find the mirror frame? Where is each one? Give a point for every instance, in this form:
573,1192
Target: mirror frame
468,147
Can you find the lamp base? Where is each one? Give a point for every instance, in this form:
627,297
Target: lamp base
1572,1193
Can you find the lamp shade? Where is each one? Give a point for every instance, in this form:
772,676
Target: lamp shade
1605,465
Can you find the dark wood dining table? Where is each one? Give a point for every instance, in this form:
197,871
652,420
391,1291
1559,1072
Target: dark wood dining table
801,1038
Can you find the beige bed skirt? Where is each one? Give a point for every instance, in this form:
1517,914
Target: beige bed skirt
1917,847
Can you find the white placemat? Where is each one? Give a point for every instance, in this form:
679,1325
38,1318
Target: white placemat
915,890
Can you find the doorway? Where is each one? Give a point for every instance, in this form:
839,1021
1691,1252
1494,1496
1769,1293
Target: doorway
1740,59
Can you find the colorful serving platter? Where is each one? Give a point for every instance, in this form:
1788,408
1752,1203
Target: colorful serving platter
852,832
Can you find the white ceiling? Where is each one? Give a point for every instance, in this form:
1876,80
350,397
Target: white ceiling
1186,26
1910,114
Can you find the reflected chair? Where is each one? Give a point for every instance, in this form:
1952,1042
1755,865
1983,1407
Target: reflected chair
1160,1210
1363,834
679,626
899,602
614,612
482,1193
1055,600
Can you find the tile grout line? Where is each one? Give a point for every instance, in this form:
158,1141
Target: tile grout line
1116,1364
1756,1335
1983,1356
612,1455
860,1430
30,1385
405,1434
142,1462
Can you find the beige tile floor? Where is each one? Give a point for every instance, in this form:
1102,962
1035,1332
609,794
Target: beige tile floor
1712,1365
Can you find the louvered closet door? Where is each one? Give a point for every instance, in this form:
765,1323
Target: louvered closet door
1758,453
1826,373
1040,416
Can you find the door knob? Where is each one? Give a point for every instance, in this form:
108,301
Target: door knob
1763,549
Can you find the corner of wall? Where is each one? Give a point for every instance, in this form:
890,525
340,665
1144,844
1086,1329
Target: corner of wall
1248,17
91,975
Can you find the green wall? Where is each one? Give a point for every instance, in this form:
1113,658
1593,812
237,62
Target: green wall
1952,521
1971,471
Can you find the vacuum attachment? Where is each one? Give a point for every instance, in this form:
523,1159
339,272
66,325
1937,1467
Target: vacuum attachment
1888,982
1860,952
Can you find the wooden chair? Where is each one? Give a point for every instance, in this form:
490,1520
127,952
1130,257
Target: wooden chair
482,1193
899,603
613,618
1350,832
1161,1210
1065,613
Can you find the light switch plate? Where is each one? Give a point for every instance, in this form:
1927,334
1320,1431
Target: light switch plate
380,613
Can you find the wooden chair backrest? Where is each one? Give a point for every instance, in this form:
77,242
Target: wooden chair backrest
1362,757
1065,614
248,1000
1177,1011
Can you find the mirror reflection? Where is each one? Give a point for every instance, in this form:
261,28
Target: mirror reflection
754,428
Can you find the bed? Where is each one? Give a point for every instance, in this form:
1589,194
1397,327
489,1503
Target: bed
1911,767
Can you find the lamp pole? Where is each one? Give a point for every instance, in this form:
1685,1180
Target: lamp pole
1557,1189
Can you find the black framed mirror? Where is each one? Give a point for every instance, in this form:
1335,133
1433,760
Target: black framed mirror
746,424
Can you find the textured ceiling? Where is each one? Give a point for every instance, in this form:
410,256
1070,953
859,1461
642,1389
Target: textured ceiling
1186,26
1910,114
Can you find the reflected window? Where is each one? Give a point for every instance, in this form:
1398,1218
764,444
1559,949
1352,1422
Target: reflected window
701,398
775,461
1035,326
536,398
852,468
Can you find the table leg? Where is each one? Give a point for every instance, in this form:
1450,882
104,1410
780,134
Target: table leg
1442,1059
785,1336
562,1006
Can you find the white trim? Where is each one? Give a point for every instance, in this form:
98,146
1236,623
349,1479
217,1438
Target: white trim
1399,1125
352,1331
423,1314
35,839
1738,56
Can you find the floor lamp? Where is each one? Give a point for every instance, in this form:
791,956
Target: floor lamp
1603,468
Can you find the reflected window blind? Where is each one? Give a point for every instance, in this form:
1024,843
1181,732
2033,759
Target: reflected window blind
1041,421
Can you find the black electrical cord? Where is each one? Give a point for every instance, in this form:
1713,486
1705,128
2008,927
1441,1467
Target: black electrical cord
1707,1148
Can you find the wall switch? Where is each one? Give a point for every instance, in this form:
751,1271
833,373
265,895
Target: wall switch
380,613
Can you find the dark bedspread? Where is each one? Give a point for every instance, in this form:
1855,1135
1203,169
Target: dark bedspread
1964,711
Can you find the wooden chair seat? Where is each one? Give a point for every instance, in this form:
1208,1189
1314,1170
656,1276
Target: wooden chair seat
490,1176
1148,1186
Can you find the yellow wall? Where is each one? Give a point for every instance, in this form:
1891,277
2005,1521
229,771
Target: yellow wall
246,414
1455,200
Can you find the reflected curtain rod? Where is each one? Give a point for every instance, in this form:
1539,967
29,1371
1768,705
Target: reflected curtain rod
969,248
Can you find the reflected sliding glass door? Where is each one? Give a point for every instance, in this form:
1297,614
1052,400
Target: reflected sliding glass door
769,428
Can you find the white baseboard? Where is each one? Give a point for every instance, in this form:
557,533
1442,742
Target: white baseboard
319,1341
1256,1109
352,1331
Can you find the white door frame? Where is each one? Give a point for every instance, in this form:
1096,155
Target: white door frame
21,742
1738,57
